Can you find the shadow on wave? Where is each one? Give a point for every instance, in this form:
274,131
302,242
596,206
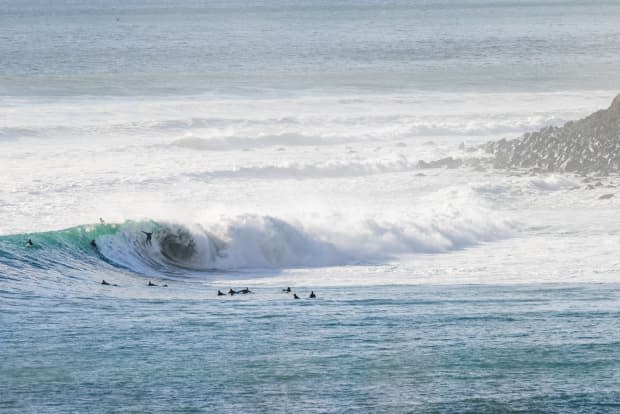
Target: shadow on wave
251,241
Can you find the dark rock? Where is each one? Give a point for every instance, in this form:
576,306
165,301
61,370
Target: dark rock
589,145
447,162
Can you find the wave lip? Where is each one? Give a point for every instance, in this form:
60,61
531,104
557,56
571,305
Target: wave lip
246,241
250,241
173,248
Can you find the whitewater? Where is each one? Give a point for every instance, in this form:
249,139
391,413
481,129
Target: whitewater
338,148
288,184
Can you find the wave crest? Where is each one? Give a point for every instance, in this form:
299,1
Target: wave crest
250,241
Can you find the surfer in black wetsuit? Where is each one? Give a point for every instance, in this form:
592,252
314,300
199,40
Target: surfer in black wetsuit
101,220
231,291
312,295
93,243
287,290
103,282
151,284
148,237
219,293
29,243
295,296
245,291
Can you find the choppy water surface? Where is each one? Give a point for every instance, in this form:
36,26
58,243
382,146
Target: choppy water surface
189,46
389,349
278,144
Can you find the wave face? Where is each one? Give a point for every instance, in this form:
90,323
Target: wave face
250,242
243,242
274,183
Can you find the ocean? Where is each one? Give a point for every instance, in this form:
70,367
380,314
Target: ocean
277,144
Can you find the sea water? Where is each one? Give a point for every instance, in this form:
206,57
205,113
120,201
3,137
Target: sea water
277,144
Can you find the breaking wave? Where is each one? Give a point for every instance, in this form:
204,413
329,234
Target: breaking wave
251,242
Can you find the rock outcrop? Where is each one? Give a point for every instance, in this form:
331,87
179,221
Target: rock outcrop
447,162
590,145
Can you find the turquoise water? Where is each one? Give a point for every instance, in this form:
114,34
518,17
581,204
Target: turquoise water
70,344
277,143
396,349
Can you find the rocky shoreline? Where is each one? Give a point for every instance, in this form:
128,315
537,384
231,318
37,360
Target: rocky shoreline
587,146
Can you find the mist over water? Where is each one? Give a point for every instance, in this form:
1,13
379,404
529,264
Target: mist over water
279,143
